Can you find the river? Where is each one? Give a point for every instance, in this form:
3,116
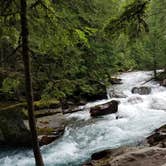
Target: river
84,135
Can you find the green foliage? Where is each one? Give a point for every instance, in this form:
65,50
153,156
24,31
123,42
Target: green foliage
77,45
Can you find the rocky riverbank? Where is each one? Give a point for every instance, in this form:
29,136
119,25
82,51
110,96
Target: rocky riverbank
151,153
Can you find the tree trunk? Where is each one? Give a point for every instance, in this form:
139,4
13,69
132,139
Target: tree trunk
28,83
155,66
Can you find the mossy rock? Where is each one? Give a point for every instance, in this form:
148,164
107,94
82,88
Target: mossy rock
42,108
45,131
12,129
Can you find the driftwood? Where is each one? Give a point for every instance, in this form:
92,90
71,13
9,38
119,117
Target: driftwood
148,81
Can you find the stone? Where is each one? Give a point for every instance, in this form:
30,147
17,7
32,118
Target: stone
104,109
143,90
163,82
2,139
46,139
13,132
158,137
147,156
50,128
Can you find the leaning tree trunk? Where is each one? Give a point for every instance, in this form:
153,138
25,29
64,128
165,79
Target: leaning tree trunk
28,83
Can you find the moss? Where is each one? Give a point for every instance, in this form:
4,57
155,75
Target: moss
46,104
45,131
39,105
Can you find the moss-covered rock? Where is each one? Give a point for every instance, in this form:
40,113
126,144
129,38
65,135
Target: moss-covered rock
12,129
42,108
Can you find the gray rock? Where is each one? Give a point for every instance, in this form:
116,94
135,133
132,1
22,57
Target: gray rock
12,129
104,109
163,82
143,90
2,139
148,156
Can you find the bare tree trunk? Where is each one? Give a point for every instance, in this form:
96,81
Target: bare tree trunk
155,66
28,83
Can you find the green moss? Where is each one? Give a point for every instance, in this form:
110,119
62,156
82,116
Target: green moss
39,105
46,104
45,131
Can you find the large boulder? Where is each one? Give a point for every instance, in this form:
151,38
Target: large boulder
143,90
149,156
158,137
50,128
104,109
13,132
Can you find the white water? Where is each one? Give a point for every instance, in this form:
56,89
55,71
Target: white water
84,135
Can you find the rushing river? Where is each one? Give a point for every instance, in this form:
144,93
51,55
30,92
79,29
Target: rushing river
84,136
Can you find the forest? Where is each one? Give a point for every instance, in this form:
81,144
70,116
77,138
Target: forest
76,50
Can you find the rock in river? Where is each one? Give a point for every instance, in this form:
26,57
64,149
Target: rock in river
13,132
149,156
143,90
104,109
158,137
50,128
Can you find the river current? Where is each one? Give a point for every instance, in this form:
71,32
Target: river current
137,116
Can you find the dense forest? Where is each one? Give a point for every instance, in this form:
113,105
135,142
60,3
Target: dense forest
73,49
57,55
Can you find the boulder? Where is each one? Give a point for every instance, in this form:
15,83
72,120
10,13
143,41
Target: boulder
2,139
158,137
163,82
46,139
148,156
50,128
143,90
13,132
104,109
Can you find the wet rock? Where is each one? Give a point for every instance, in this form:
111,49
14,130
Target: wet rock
13,132
135,99
104,109
144,90
112,93
149,156
50,128
46,139
2,139
163,83
158,138
115,80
